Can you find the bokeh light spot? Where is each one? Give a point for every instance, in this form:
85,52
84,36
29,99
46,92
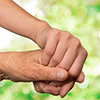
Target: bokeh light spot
84,84
96,71
67,12
55,8
25,90
99,34
2,83
82,11
98,16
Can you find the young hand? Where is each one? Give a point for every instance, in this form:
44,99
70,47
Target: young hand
64,50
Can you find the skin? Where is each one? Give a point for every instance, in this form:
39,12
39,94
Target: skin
71,58
61,48
25,67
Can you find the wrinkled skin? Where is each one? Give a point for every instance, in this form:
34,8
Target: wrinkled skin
25,67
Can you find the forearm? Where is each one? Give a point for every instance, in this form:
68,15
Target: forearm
17,20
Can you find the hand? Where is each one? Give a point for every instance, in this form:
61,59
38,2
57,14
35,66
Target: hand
25,67
64,50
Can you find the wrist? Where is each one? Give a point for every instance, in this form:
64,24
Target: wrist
39,36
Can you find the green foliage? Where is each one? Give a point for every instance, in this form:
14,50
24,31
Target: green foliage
82,19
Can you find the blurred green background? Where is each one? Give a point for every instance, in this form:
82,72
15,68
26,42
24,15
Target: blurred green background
82,19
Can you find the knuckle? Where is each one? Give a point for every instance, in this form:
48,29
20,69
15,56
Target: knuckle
68,36
49,52
85,52
62,66
55,59
73,74
36,89
49,72
65,36
56,32
77,42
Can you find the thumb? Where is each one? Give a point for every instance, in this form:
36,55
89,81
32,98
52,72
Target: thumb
44,73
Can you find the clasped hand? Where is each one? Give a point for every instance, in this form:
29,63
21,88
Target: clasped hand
53,70
62,50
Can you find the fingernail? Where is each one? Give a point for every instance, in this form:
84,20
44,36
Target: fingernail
60,74
52,83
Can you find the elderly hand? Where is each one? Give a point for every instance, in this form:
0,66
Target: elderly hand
25,67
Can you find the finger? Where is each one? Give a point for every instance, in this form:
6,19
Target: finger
54,83
41,73
71,54
34,55
38,86
59,53
68,59
49,50
65,88
43,87
51,89
80,78
77,66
